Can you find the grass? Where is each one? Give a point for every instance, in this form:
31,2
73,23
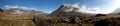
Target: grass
15,20
16,23
65,24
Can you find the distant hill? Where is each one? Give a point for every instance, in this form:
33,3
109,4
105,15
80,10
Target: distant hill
21,17
23,11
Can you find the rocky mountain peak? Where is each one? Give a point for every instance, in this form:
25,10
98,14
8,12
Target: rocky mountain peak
67,10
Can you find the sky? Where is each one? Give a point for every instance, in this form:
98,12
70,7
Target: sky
48,6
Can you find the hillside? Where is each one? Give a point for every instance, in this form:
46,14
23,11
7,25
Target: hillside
66,15
61,18
9,19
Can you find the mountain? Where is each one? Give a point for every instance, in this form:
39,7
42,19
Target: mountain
21,17
69,13
23,11
68,9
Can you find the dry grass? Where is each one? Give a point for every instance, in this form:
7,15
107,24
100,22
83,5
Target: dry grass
16,23
15,20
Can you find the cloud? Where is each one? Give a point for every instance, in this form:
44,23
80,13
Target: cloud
9,7
23,7
19,11
67,8
85,9
82,9
75,5
88,11
116,11
20,7
110,7
115,7
96,9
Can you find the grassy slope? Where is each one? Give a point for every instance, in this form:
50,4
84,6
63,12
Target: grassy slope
15,20
109,20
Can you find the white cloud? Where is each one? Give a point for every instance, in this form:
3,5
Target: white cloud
69,7
75,5
110,6
68,10
19,11
96,9
34,9
82,9
9,7
23,7
20,7
85,9
116,6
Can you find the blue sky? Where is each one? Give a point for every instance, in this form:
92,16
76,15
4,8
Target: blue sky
49,6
